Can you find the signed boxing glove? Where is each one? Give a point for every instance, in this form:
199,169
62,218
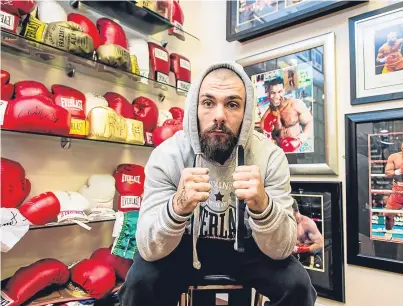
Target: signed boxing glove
139,53
49,11
146,110
119,264
106,124
88,27
29,280
95,276
93,100
41,209
167,130
30,88
73,207
129,180
14,186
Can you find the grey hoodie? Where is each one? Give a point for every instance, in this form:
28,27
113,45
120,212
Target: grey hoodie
160,229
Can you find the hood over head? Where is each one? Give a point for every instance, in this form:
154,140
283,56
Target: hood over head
190,121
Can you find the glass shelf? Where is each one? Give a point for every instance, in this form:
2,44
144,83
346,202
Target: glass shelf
22,47
56,224
65,138
128,13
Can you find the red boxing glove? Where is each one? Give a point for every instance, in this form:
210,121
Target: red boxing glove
167,130
119,264
177,113
146,110
7,89
290,144
88,27
18,7
120,104
29,280
177,19
14,186
74,102
37,114
129,182
94,276
272,122
111,33
41,209
30,88
180,66
159,62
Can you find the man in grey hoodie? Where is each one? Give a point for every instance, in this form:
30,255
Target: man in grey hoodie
217,201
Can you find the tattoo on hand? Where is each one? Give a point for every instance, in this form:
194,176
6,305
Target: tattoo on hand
182,197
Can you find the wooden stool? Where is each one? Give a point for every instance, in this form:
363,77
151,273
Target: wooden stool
205,293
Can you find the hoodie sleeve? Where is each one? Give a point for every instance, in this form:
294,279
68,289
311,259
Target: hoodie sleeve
275,229
159,228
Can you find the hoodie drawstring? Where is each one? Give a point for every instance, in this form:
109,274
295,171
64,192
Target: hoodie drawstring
196,224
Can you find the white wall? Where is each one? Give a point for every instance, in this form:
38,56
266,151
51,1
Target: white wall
363,286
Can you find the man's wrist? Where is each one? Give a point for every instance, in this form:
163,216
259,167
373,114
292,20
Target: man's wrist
261,214
174,215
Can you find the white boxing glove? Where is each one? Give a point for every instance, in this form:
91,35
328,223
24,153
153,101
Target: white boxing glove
50,11
163,115
100,192
94,100
13,227
139,48
73,208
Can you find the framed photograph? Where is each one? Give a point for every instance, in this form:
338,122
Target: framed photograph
249,19
296,104
376,55
374,178
318,211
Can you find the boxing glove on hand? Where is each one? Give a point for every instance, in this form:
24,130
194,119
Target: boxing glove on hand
93,100
146,110
73,101
160,63
37,114
64,35
120,104
94,276
129,180
73,206
113,49
180,66
30,88
29,280
290,144
119,264
106,124
100,191
88,27
14,186
167,130
41,209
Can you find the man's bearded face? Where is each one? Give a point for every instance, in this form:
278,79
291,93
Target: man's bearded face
217,142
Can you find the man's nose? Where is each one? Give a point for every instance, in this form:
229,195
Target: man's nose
219,114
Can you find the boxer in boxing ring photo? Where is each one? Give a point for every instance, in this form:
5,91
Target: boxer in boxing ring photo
394,169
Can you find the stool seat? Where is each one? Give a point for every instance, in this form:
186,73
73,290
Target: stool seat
218,280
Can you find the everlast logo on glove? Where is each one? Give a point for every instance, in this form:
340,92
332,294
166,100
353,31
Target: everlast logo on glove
130,202
130,178
72,103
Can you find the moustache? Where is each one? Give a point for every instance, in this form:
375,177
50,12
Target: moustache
219,128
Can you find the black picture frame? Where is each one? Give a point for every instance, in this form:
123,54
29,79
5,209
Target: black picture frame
330,283
360,83
363,248
290,16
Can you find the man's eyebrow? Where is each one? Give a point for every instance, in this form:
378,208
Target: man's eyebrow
206,95
231,97
234,97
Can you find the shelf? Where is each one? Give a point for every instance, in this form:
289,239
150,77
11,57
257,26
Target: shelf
22,47
66,139
56,224
128,13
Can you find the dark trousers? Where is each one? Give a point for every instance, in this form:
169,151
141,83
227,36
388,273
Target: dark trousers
160,283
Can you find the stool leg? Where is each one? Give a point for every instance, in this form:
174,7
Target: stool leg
240,297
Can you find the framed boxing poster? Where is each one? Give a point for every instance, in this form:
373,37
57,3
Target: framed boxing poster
374,189
376,55
296,102
249,19
318,211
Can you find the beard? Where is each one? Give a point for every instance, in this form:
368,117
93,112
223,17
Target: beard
218,147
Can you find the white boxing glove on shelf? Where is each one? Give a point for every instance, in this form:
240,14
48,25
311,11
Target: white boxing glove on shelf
163,115
94,100
50,11
73,208
139,48
100,192
13,227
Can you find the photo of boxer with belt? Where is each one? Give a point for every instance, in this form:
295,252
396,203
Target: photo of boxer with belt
394,169
289,120
310,242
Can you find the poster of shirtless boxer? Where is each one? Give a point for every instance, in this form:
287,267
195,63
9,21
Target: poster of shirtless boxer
252,10
285,107
309,250
386,194
389,49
